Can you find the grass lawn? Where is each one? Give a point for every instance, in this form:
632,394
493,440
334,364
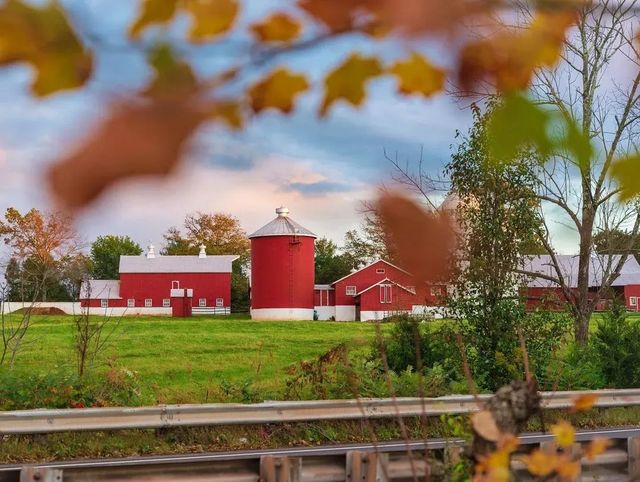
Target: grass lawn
184,359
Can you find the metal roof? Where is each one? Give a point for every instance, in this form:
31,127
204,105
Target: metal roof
104,289
282,225
177,264
601,266
386,281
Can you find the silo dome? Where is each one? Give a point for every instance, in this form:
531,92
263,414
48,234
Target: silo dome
282,270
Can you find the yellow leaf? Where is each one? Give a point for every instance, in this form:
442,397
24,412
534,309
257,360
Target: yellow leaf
42,37
564,433
584,402
485,425
153,12
211,18
567,468
229,112
539,463
348,81
417,76
173,77
625,172
596,447
277,90
278,27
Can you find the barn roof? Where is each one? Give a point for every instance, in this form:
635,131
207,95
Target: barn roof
386,281
104,289
282,225
177,264
601,265
369,266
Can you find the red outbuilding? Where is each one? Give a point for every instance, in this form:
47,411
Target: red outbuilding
282,270
171,285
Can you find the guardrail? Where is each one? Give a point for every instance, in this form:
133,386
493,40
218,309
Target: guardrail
165,416
384,461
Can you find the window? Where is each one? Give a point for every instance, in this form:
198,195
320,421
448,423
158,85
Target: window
351,290
436,291
175,285
219,302
202,302
166,302
148,303
385,293
131,303
633,301
380,271
104,303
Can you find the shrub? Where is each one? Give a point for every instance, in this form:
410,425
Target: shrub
577,369
617,344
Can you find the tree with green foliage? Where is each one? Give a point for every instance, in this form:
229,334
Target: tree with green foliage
616,241
330,265
219,233
368,242
105,255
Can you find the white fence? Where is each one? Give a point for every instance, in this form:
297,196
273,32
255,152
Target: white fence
73,308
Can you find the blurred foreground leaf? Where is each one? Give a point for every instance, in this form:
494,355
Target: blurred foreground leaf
625,171
277,90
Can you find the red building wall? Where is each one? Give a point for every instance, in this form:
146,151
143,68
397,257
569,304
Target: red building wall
401,300
282,272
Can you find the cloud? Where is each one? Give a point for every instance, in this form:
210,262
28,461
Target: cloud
318,188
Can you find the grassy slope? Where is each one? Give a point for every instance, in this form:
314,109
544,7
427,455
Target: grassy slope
184,358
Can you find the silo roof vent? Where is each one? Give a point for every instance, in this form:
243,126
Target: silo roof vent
282,225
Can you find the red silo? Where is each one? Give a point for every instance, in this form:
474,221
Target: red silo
282,270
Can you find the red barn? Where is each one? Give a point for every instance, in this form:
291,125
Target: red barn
374,292
282,270
172,285
540,291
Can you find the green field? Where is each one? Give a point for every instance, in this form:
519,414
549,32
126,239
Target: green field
183,360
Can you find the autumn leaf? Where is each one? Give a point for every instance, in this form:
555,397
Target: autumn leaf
597,447
567,468
625,172
211,18
144,138
564,433
229,112
278,27
494,467
584,402
508,59
42,37
336,15
417,76
348,81
485,425
173,77
540,463
508,442
409,228
153,12
277,90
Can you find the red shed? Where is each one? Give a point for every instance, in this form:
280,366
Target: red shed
282,270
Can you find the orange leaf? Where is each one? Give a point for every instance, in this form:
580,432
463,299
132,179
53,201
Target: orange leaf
539,463
567,468
584,402
508,443
564,433
135,139
42,37
153,12
485,425
417,76
277,90
509,58
279,27
229,112
211,18
409,228
337,15
348,81
596,447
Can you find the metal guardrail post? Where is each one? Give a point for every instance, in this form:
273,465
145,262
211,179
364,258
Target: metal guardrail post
280,469
35,474
364,467
633,451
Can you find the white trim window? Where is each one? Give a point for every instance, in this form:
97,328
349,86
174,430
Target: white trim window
633,301
166,302
131,303
350,290
386,293
202,302
380,271
148,303
219,302
104,303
